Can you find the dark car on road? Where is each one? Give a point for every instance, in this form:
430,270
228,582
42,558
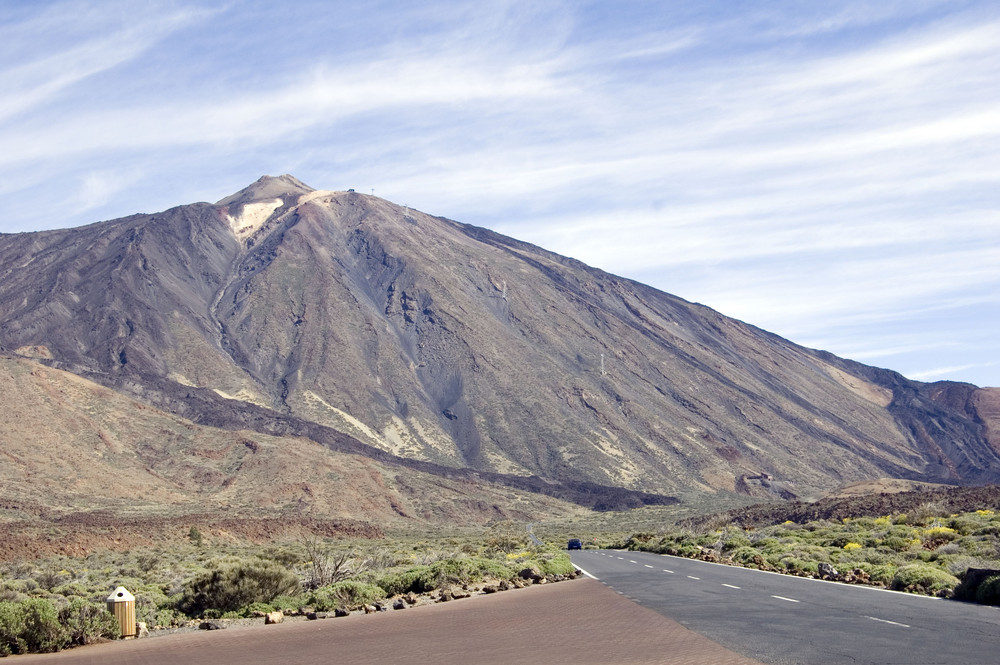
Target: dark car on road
574,544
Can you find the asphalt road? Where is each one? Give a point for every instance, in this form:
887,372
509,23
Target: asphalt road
783,620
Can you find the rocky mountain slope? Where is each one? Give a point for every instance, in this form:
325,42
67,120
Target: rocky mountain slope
382,332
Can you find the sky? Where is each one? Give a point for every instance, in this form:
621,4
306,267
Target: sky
825,170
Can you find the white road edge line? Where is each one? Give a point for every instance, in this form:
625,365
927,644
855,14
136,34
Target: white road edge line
585,572
891,623
791,600
730,586
859,587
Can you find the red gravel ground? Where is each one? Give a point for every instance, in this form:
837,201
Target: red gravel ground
576,623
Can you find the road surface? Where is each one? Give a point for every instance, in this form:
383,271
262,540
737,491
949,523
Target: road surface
782,620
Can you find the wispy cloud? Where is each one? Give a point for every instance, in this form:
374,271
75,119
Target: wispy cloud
35,77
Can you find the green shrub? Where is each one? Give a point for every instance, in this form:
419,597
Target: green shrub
347,595
558,564
988,592
922,578
896,543
734,542
417,580
85,621
30,626
793,565
42,630
166,618
230,588
883,573
749,557
11,629
70,590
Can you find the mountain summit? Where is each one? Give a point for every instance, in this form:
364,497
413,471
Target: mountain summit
421,339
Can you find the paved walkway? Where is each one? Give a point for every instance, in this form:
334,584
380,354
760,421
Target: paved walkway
579,622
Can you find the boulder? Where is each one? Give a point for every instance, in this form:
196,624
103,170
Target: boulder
826,571
399,604
341,612
274,617
211,625
141,630
529,574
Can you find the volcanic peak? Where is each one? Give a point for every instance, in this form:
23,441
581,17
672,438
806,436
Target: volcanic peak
267,188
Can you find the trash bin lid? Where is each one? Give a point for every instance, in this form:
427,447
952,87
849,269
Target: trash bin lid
120,595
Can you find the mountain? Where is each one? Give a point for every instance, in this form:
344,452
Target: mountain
449,350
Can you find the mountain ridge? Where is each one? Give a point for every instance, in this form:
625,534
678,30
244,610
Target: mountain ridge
447,344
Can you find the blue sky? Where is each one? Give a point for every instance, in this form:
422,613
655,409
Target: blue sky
827,171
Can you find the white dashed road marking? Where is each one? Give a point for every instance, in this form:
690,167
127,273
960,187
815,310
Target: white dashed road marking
892,623
730,586
791,600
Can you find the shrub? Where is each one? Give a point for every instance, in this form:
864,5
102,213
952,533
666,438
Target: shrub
988,592
883,573
11,628
748,556
166,618
42,630
734,542
896,543
229,588
50,579
347,595
418,580
85,621
30,626
558,564
505,536
922,578
937,536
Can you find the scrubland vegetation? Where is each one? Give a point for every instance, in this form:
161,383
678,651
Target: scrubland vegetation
54,603
49,604
921,552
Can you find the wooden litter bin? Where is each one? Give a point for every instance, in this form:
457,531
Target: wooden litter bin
122,604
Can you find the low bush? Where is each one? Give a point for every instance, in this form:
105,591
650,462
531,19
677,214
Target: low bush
85,621
417,580
923,578
557,564
347,595
749,557
30,626
229,588
988,592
